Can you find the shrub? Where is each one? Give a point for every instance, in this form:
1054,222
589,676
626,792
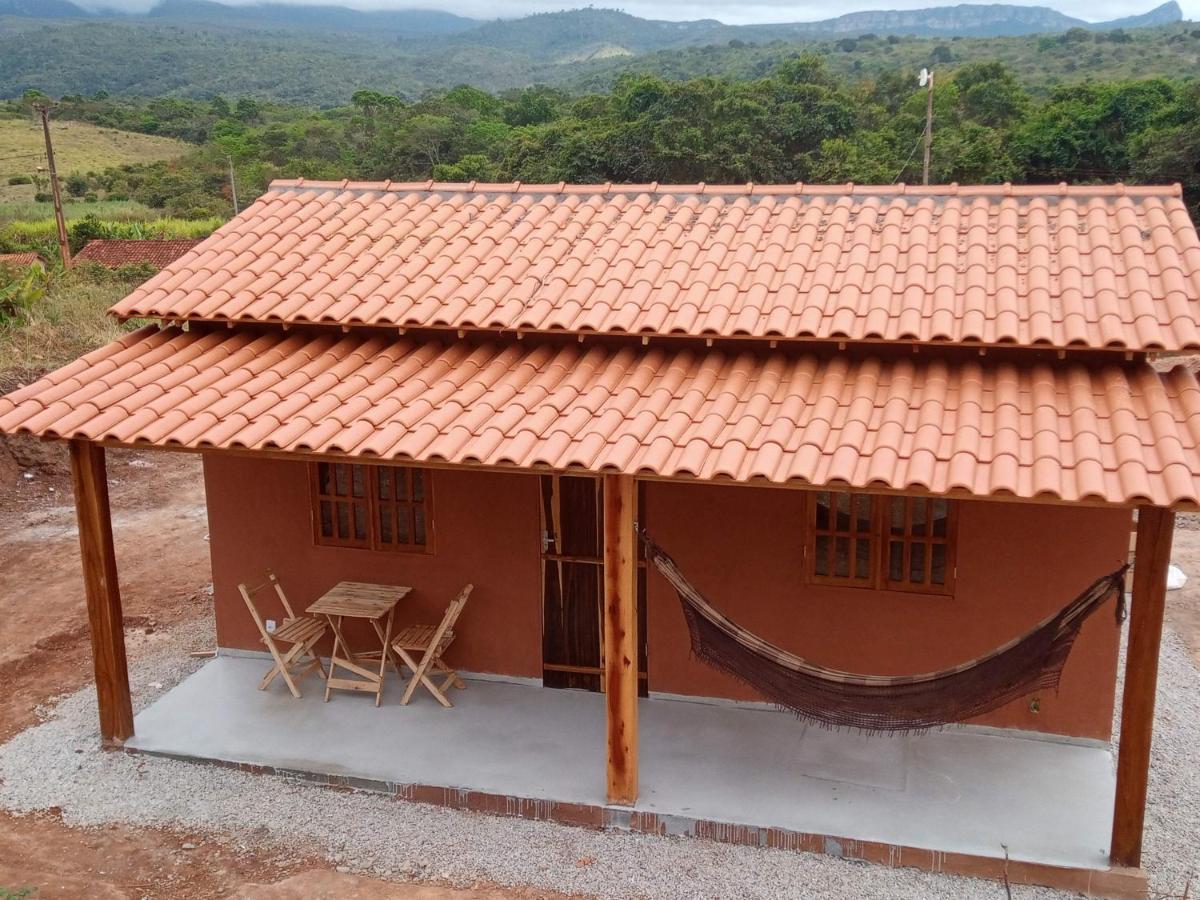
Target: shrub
19,179
43,197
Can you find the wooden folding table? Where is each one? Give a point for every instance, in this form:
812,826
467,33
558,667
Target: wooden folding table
357,600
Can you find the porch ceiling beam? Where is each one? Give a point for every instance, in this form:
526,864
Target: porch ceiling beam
1152,556
89,478
620,638
956,494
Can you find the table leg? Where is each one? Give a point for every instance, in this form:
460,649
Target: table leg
384,653
337,637
391,653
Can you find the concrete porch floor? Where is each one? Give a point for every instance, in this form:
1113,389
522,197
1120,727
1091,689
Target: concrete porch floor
960,791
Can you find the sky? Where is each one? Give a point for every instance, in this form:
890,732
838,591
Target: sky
729,11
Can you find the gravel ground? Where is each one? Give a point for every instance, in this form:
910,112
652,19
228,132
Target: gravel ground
58,764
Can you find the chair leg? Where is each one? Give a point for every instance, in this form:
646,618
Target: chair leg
453,679
281,668
310,649
420,676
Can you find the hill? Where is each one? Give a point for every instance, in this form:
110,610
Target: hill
579,50
1040,62
571,31
326,19
78,147
965,19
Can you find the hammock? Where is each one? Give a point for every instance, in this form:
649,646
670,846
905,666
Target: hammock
885,703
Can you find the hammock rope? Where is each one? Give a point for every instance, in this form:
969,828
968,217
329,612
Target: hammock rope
887,703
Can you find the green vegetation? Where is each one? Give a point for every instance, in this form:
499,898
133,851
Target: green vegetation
580,50
54,317
41,234
79,148
799,122
1042,63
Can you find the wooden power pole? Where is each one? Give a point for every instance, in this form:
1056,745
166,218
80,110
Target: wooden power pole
928,127
64,247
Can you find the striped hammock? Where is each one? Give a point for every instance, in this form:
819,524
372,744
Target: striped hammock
887,703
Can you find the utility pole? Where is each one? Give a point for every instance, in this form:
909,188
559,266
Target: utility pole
64,246
233,185
927,81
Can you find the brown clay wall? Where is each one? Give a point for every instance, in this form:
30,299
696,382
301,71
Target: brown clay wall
1016,563
486,529
741,545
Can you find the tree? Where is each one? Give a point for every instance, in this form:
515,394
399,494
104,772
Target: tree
990,94
247,110
76,185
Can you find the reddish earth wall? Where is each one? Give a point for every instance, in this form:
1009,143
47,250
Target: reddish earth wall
741,546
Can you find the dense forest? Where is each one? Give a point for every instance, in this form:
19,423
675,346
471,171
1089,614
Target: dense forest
583,50
798,123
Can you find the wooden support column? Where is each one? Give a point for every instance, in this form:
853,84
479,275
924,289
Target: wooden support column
1152,555
90,480
620,637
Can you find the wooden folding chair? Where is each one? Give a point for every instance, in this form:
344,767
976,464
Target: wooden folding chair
431,642
302,632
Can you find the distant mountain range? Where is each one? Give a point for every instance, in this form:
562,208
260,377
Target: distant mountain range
321,55
567,31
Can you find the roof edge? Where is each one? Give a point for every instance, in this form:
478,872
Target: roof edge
799,189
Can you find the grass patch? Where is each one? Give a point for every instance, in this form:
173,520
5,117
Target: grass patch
68,321
42,235
78,147
111,210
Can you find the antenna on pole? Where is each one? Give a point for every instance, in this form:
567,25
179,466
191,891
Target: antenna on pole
233,185
926,81
64,246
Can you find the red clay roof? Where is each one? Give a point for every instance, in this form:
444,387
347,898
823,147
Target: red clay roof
19,260
1064,431
112,252
1109,267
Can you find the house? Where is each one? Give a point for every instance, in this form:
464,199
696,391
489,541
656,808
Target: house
113,253
887,429
21,261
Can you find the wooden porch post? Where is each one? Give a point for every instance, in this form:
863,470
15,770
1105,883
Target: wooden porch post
90,480
1152,555
620,637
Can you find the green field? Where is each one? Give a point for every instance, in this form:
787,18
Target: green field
78,147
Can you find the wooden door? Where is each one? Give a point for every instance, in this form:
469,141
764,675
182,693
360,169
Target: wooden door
573,585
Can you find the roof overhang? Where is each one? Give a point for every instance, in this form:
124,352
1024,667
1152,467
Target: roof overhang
1046,432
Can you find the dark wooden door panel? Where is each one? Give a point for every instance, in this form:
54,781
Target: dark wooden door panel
573,585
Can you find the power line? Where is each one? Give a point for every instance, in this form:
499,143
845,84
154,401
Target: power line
910,156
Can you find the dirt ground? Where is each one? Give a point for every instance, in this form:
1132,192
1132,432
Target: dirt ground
160,530
162,550
1183,606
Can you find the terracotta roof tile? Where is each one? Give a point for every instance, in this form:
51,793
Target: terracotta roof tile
1110,267
20,260
1064,431
112,252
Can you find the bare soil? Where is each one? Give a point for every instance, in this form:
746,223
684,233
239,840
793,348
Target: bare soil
1183,606
160,531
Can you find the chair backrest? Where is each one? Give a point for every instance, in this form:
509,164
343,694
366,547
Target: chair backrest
453,611
248,594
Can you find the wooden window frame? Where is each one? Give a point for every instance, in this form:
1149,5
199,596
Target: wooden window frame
880,536
374,505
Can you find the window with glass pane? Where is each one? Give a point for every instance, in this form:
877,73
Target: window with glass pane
919,552
895,543
844,537
377,507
